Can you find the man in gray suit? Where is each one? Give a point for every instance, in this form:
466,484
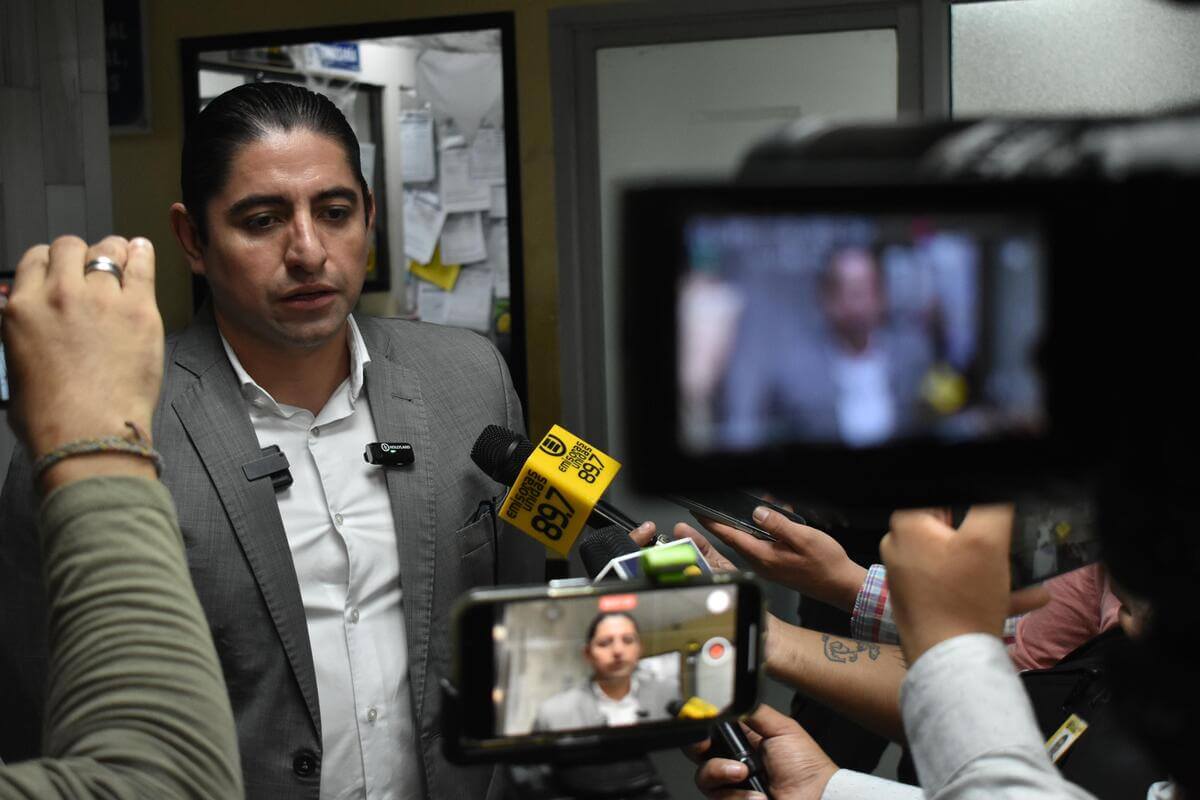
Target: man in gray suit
847,377
580,706
329,599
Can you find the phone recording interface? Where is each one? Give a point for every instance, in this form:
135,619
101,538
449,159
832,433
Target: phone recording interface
614,660
858,331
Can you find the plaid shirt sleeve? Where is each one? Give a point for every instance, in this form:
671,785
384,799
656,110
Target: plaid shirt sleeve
871,620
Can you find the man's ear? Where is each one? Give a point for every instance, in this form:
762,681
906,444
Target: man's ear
370,202
188,237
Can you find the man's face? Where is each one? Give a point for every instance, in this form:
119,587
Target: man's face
615,649
287,248
853,297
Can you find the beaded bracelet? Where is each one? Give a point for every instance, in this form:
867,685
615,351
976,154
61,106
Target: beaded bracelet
136,445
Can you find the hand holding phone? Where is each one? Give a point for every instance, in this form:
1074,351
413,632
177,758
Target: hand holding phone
607,669
792,552
946,582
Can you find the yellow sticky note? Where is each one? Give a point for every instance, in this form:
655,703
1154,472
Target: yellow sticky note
443,276
557,489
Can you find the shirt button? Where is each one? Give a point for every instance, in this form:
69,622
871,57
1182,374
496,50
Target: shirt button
354,615
372,714
315,431
337,518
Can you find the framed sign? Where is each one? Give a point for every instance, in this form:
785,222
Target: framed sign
125,56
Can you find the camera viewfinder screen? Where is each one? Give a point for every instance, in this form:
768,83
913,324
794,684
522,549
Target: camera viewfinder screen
859,331
614,660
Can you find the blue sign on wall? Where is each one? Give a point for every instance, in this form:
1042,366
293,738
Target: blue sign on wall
339,55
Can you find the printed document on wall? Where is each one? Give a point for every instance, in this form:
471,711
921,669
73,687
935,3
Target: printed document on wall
497,247
458,191
487,155
470,304
431,303
462,239
417,163
423,222
499,207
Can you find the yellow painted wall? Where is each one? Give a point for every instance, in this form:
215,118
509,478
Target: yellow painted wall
145,168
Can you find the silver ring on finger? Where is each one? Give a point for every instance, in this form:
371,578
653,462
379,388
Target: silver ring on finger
105,264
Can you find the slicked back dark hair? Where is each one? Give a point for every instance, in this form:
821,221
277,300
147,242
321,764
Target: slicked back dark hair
246,114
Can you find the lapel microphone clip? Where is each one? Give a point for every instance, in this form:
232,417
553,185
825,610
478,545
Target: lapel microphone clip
273,464
389,454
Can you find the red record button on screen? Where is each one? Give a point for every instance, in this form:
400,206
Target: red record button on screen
618,602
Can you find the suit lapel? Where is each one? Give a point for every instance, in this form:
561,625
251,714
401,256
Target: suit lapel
399,414
214,416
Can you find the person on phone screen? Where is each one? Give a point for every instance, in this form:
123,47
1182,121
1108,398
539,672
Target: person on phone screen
617,693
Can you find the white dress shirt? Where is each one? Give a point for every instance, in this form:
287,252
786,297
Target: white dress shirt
339,525
866,414
617,713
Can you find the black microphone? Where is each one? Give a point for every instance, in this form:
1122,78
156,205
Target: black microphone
501,453
728,741
597,547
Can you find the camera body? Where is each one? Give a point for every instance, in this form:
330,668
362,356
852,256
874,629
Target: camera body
890,316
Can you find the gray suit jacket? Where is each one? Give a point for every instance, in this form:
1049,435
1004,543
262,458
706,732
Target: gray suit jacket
577,707
780,383
431,386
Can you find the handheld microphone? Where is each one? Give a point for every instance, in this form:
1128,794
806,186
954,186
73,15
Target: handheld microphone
728,741
598,547
501,453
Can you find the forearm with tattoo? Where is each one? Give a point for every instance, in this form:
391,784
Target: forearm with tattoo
842,651
858,679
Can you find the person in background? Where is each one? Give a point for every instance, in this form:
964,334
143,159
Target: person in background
617,694
137,706
970,726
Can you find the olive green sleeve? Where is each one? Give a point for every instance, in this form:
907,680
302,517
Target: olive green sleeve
136,702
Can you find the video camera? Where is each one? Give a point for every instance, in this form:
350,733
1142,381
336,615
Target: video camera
901,315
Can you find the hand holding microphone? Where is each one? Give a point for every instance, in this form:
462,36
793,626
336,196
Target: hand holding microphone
797,766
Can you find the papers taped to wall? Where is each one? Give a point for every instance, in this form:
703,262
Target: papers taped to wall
417,164
462,239
423,221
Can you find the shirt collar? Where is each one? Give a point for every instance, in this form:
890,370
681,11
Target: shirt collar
359,358
630,697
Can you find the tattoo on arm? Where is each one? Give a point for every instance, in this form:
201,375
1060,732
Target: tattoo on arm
842,652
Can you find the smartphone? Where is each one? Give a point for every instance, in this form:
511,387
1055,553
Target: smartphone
1050,537
736,509
608,670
